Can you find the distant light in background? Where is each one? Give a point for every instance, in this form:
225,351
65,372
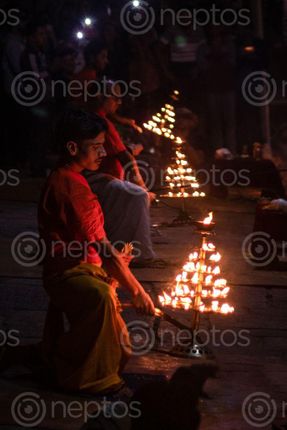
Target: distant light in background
80,35
88,21
249,49
136,3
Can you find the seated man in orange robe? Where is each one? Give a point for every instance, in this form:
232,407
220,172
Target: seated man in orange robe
91,353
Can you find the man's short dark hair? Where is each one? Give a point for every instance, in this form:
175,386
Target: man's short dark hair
77,125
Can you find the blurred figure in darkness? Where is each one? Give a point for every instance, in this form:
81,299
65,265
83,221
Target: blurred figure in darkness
34,61
13,48
181,44
279,158
64,65
34,57
96,61
92,79
187,127
216,63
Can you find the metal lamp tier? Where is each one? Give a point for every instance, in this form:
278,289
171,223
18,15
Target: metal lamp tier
199,287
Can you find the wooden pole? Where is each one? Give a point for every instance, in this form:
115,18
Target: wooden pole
257,6
198,289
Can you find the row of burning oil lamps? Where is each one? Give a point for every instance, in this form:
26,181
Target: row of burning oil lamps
163,123
183,296
180,176
186,303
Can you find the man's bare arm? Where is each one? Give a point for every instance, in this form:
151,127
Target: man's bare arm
115,265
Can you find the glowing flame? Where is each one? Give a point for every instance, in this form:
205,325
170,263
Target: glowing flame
215,257
199,287
195,278
249,48
216,271
226,309
208,280
184,292
193,256
220,283
208,247
208,220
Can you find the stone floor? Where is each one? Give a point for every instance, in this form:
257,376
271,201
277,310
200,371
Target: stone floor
259,296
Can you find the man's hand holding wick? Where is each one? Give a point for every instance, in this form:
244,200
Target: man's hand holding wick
143,303
127,121
134,125
151,196
116,266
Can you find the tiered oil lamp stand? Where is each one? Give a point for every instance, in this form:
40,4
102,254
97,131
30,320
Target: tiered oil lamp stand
190,293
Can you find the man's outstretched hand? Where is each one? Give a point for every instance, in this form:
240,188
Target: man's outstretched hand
143,303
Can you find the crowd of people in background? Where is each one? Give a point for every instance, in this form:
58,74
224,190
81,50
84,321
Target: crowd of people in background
207,65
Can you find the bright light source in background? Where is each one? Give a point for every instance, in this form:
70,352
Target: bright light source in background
136,3
249,48
88,21
80,35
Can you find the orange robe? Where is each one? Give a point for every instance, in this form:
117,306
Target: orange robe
90,354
